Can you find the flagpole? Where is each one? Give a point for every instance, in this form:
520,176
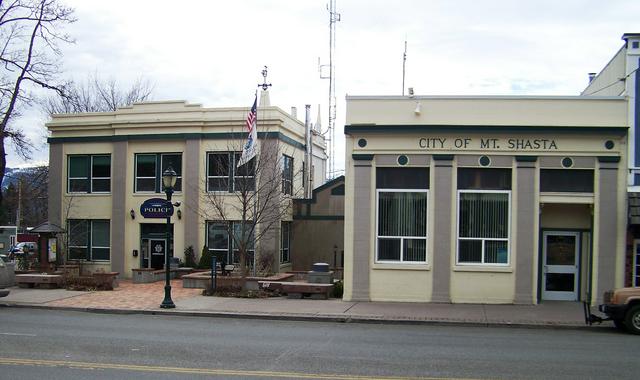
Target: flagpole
255,202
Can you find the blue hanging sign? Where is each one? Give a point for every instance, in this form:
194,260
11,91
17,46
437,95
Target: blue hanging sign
156,208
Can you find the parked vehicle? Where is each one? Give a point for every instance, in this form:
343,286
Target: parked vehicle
4,279
622,306
26,247
19,248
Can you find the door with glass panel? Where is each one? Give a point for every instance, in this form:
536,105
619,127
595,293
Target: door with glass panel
560,265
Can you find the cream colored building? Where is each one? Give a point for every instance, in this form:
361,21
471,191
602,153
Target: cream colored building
103,166
484,199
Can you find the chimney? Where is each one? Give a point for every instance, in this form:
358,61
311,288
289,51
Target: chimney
294,112
592,76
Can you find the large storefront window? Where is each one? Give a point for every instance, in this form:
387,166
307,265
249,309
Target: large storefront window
89,240
401,208
484,203
228,249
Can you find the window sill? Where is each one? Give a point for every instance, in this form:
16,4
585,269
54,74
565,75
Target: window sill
85,262
163,194
401,266
88,194
556,197
482,268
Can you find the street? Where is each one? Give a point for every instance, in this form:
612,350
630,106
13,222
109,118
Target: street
50,344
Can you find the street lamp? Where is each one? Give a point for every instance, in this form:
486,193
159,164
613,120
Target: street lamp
169,178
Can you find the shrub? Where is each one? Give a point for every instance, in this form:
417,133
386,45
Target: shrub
205,259
337,289
189,257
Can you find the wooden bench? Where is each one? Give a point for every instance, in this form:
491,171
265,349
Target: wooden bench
297,290
45,281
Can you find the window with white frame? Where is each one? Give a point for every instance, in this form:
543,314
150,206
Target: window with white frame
149,168
89,173
285,242
224,175
484,209
401,213
89,239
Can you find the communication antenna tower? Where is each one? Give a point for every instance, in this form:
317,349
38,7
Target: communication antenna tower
330,133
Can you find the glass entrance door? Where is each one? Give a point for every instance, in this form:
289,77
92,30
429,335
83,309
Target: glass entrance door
560,266
157,248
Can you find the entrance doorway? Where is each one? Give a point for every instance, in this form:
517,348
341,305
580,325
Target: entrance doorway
154,244
560,265
157,247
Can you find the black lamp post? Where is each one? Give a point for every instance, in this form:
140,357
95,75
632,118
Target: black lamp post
169,178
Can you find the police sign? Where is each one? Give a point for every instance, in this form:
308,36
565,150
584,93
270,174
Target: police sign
156,208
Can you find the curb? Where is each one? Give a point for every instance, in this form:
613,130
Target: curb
313,318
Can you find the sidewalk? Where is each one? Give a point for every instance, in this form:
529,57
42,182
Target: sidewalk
146,298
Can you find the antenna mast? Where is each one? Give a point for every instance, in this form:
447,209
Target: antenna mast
404,64
330,133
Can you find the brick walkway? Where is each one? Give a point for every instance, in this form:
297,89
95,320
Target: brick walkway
129,296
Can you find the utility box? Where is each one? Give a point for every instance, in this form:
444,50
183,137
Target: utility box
320,274
320,267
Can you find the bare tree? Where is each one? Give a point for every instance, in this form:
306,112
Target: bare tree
30,31
250,200
96,95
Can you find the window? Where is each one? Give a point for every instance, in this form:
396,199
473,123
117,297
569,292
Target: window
218,240
149,169
484,202
566,180
89,174
225,249
287,175
223,175
401,208
89,240
285,245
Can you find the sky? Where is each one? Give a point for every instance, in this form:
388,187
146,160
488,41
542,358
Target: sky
212,52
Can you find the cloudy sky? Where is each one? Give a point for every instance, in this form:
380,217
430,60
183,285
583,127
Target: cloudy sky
212,52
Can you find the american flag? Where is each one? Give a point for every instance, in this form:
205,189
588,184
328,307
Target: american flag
253,115
251,147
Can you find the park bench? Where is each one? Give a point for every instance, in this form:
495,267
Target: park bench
45,281
299,290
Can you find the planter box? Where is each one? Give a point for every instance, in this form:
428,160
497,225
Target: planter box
148,275
70,269
108,280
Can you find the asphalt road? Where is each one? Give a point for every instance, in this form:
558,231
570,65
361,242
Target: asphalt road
45,344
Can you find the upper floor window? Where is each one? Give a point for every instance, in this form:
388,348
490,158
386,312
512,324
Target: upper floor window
224,175
149,168
287,175
89,173
566,180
